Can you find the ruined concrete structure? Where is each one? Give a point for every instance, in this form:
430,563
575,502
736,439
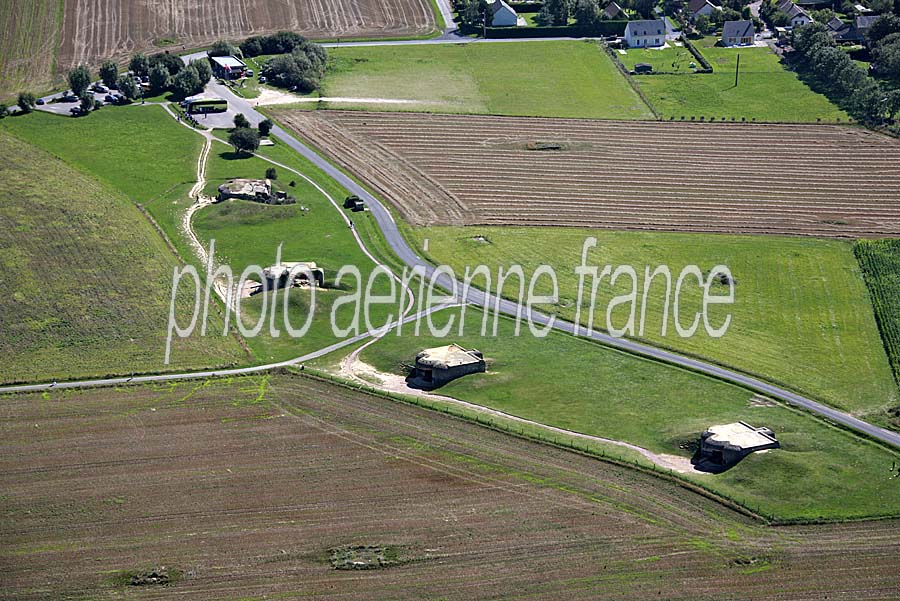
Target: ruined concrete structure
437,366
259,190
727,444
277,275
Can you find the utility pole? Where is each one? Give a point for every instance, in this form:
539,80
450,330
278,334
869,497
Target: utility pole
737,70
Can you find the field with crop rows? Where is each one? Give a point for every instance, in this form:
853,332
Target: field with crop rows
29,37
761,179
880,263
97,29
246,488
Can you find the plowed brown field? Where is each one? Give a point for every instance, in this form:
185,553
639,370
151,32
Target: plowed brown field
97,29
746,178
245,485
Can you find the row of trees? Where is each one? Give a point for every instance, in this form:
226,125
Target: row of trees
845,81
168,73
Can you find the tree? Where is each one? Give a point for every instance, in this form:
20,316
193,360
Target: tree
240,121
244,139
887,57
645,8
87,102
186,83
109,72
302,69
587,14
222,48
160,80
271,173
702,24
265,127
173,63
79,79
884,26
139,65
27,102
554,12
892,104
127,88
204,70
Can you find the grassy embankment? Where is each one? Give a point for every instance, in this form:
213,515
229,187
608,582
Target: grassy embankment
87,279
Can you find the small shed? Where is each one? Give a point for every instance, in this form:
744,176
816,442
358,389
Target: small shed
227,67
437,366
725,445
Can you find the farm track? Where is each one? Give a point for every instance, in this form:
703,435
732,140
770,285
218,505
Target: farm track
94,30
825,181
245,484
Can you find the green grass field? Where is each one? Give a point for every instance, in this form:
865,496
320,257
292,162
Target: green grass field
248,233
578,385
87,279
766,90
560,79
801,315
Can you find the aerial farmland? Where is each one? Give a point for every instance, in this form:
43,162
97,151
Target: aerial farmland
433,299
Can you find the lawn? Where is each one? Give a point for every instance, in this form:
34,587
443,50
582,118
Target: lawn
801,316
674,59
248,233
578,385
549,78
766,90
87,279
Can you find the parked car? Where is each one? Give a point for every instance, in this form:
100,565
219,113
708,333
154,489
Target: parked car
68,98
109,98
100,88
262,79
39,102
75,110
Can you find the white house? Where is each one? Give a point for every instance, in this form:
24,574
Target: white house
738,33
502,14
695,8
645,34
797,15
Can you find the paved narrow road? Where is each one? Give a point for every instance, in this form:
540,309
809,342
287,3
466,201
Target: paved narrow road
477,297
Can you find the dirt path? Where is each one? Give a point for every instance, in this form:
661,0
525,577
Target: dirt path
355,369
268,96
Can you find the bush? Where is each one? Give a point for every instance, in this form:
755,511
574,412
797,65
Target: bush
27,102
3,110
127,88
282,42
109,72
271,173
265,127
244,139
187,83
79,79
240,121
172,63
222,48
139,64
302,69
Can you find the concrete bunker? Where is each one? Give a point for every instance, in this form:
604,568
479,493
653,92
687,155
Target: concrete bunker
304,274
721,447
437,366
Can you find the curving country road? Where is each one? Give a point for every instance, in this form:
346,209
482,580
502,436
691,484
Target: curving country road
477,297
